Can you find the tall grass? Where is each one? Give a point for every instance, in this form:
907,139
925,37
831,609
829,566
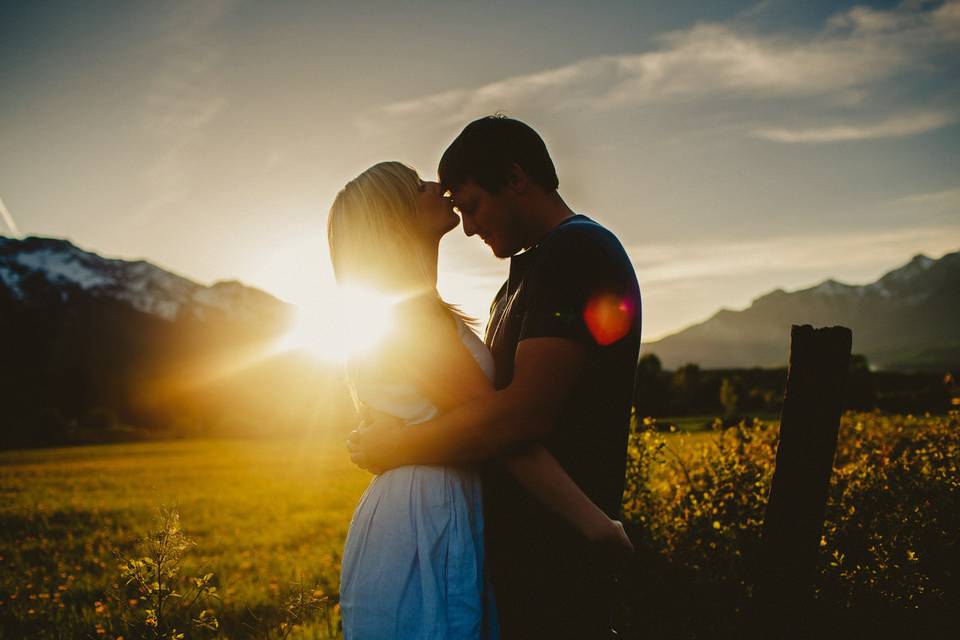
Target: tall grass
266,518
262,525
889,555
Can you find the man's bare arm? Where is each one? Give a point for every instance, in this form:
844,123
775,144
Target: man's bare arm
545,371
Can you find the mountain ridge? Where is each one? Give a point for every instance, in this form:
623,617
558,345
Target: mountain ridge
89,342
151,289
900,321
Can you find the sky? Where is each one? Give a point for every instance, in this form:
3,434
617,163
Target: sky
734,147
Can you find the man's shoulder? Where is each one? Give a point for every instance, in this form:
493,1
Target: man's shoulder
583,234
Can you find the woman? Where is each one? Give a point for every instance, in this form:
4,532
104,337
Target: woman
413,559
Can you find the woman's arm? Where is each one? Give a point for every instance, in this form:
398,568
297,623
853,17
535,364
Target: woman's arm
447,373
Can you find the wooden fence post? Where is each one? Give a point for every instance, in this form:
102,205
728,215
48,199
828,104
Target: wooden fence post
793,523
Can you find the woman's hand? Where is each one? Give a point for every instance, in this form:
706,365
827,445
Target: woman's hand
373,442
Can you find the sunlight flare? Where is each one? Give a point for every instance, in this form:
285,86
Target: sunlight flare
345,321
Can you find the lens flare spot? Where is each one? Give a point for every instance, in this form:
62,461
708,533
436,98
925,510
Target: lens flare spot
609,317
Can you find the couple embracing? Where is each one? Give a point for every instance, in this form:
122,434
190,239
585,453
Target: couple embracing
500,463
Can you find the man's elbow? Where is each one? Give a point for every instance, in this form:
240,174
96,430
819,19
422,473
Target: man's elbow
527,425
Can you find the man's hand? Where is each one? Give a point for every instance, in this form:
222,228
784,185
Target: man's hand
373,444
613,545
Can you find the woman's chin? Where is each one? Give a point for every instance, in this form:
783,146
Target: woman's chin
453,225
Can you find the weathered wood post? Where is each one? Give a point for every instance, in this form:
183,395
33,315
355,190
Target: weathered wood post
793,524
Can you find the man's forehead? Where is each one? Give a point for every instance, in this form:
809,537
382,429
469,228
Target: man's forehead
463,191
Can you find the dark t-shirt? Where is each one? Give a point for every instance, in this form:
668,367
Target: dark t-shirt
576,283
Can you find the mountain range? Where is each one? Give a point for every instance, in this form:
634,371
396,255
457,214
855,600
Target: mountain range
83,337
909,319
80,332
38,270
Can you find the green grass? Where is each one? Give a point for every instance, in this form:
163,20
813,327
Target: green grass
261,513
693,424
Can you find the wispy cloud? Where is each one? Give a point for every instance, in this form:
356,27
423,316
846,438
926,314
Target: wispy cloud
932,205
853,52
659,265
185,97
895,127
8,219
950,197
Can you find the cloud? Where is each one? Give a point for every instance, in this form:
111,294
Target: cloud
895,127
184,98
944,197
854,51
668,264
8,220
933,205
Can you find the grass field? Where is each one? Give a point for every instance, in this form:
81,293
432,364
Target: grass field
262,514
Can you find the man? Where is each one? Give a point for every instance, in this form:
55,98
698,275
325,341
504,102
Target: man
564,331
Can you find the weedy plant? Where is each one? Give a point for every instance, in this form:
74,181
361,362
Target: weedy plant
156,600
890,558
302,605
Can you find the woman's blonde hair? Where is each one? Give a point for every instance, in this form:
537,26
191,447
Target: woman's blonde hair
375,237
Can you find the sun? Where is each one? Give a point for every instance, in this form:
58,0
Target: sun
346,321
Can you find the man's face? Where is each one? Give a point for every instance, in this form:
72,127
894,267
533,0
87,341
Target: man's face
493,217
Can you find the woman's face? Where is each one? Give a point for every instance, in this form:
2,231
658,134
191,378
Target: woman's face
436,212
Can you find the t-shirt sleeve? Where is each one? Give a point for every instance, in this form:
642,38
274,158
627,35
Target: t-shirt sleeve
575,274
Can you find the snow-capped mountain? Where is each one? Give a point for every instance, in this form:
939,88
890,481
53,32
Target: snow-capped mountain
83,336
35,269
907,319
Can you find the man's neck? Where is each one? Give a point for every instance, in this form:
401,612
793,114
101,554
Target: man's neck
546,215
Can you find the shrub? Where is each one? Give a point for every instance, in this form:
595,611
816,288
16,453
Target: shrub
889,554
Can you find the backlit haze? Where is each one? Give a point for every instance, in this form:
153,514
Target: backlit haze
734,147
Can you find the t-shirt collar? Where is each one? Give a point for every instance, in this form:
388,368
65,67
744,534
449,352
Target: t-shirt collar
536,245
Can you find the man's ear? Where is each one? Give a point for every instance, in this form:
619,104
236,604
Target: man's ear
518,181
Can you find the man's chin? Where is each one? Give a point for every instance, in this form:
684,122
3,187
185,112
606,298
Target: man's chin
497,251
502,251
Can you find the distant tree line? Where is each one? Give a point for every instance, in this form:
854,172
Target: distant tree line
734,393
96,371
284,396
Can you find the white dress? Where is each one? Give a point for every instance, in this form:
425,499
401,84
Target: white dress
413,562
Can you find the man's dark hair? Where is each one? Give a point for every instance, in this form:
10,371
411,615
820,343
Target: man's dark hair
486,150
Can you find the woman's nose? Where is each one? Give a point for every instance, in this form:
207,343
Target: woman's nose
468,227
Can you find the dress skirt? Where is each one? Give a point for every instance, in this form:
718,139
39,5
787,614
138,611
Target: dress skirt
413,563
